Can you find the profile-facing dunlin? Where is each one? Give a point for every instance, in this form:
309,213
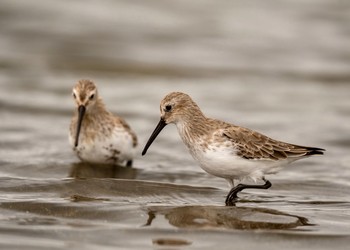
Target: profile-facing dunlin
98,136
226,150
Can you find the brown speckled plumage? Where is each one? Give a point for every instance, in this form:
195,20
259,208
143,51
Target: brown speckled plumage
99,128
226,150
247,143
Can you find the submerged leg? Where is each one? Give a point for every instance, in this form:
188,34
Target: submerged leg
151,217
232,195
129,163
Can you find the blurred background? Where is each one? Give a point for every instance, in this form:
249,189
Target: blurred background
307,40
231,56
281,67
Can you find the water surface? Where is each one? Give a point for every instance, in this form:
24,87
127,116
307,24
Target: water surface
279,67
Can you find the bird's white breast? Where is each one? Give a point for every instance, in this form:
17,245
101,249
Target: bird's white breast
220,158
223,161
113,149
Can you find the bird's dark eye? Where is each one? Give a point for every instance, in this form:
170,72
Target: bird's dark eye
168,108
92,96
74,96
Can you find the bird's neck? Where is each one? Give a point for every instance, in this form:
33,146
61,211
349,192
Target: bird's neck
193,128
96,113
98,108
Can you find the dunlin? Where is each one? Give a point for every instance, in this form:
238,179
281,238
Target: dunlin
226,150
97,136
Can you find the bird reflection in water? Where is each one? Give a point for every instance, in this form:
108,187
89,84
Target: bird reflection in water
210,217
83,170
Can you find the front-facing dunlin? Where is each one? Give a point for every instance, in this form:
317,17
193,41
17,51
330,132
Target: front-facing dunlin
96,135
226,150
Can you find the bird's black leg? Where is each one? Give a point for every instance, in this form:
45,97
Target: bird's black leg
151,217
232,195
129,163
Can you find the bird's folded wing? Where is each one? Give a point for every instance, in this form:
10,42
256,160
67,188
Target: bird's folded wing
250,144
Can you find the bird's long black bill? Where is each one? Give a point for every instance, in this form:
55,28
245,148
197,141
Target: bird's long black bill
153,136
81,110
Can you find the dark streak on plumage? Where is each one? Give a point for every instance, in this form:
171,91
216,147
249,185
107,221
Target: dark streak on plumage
253,145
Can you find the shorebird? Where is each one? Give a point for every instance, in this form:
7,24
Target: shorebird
97,136
226,150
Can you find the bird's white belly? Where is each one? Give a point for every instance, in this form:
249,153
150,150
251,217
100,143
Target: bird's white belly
115,149
224,162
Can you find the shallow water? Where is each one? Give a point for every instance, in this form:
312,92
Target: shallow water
279,67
